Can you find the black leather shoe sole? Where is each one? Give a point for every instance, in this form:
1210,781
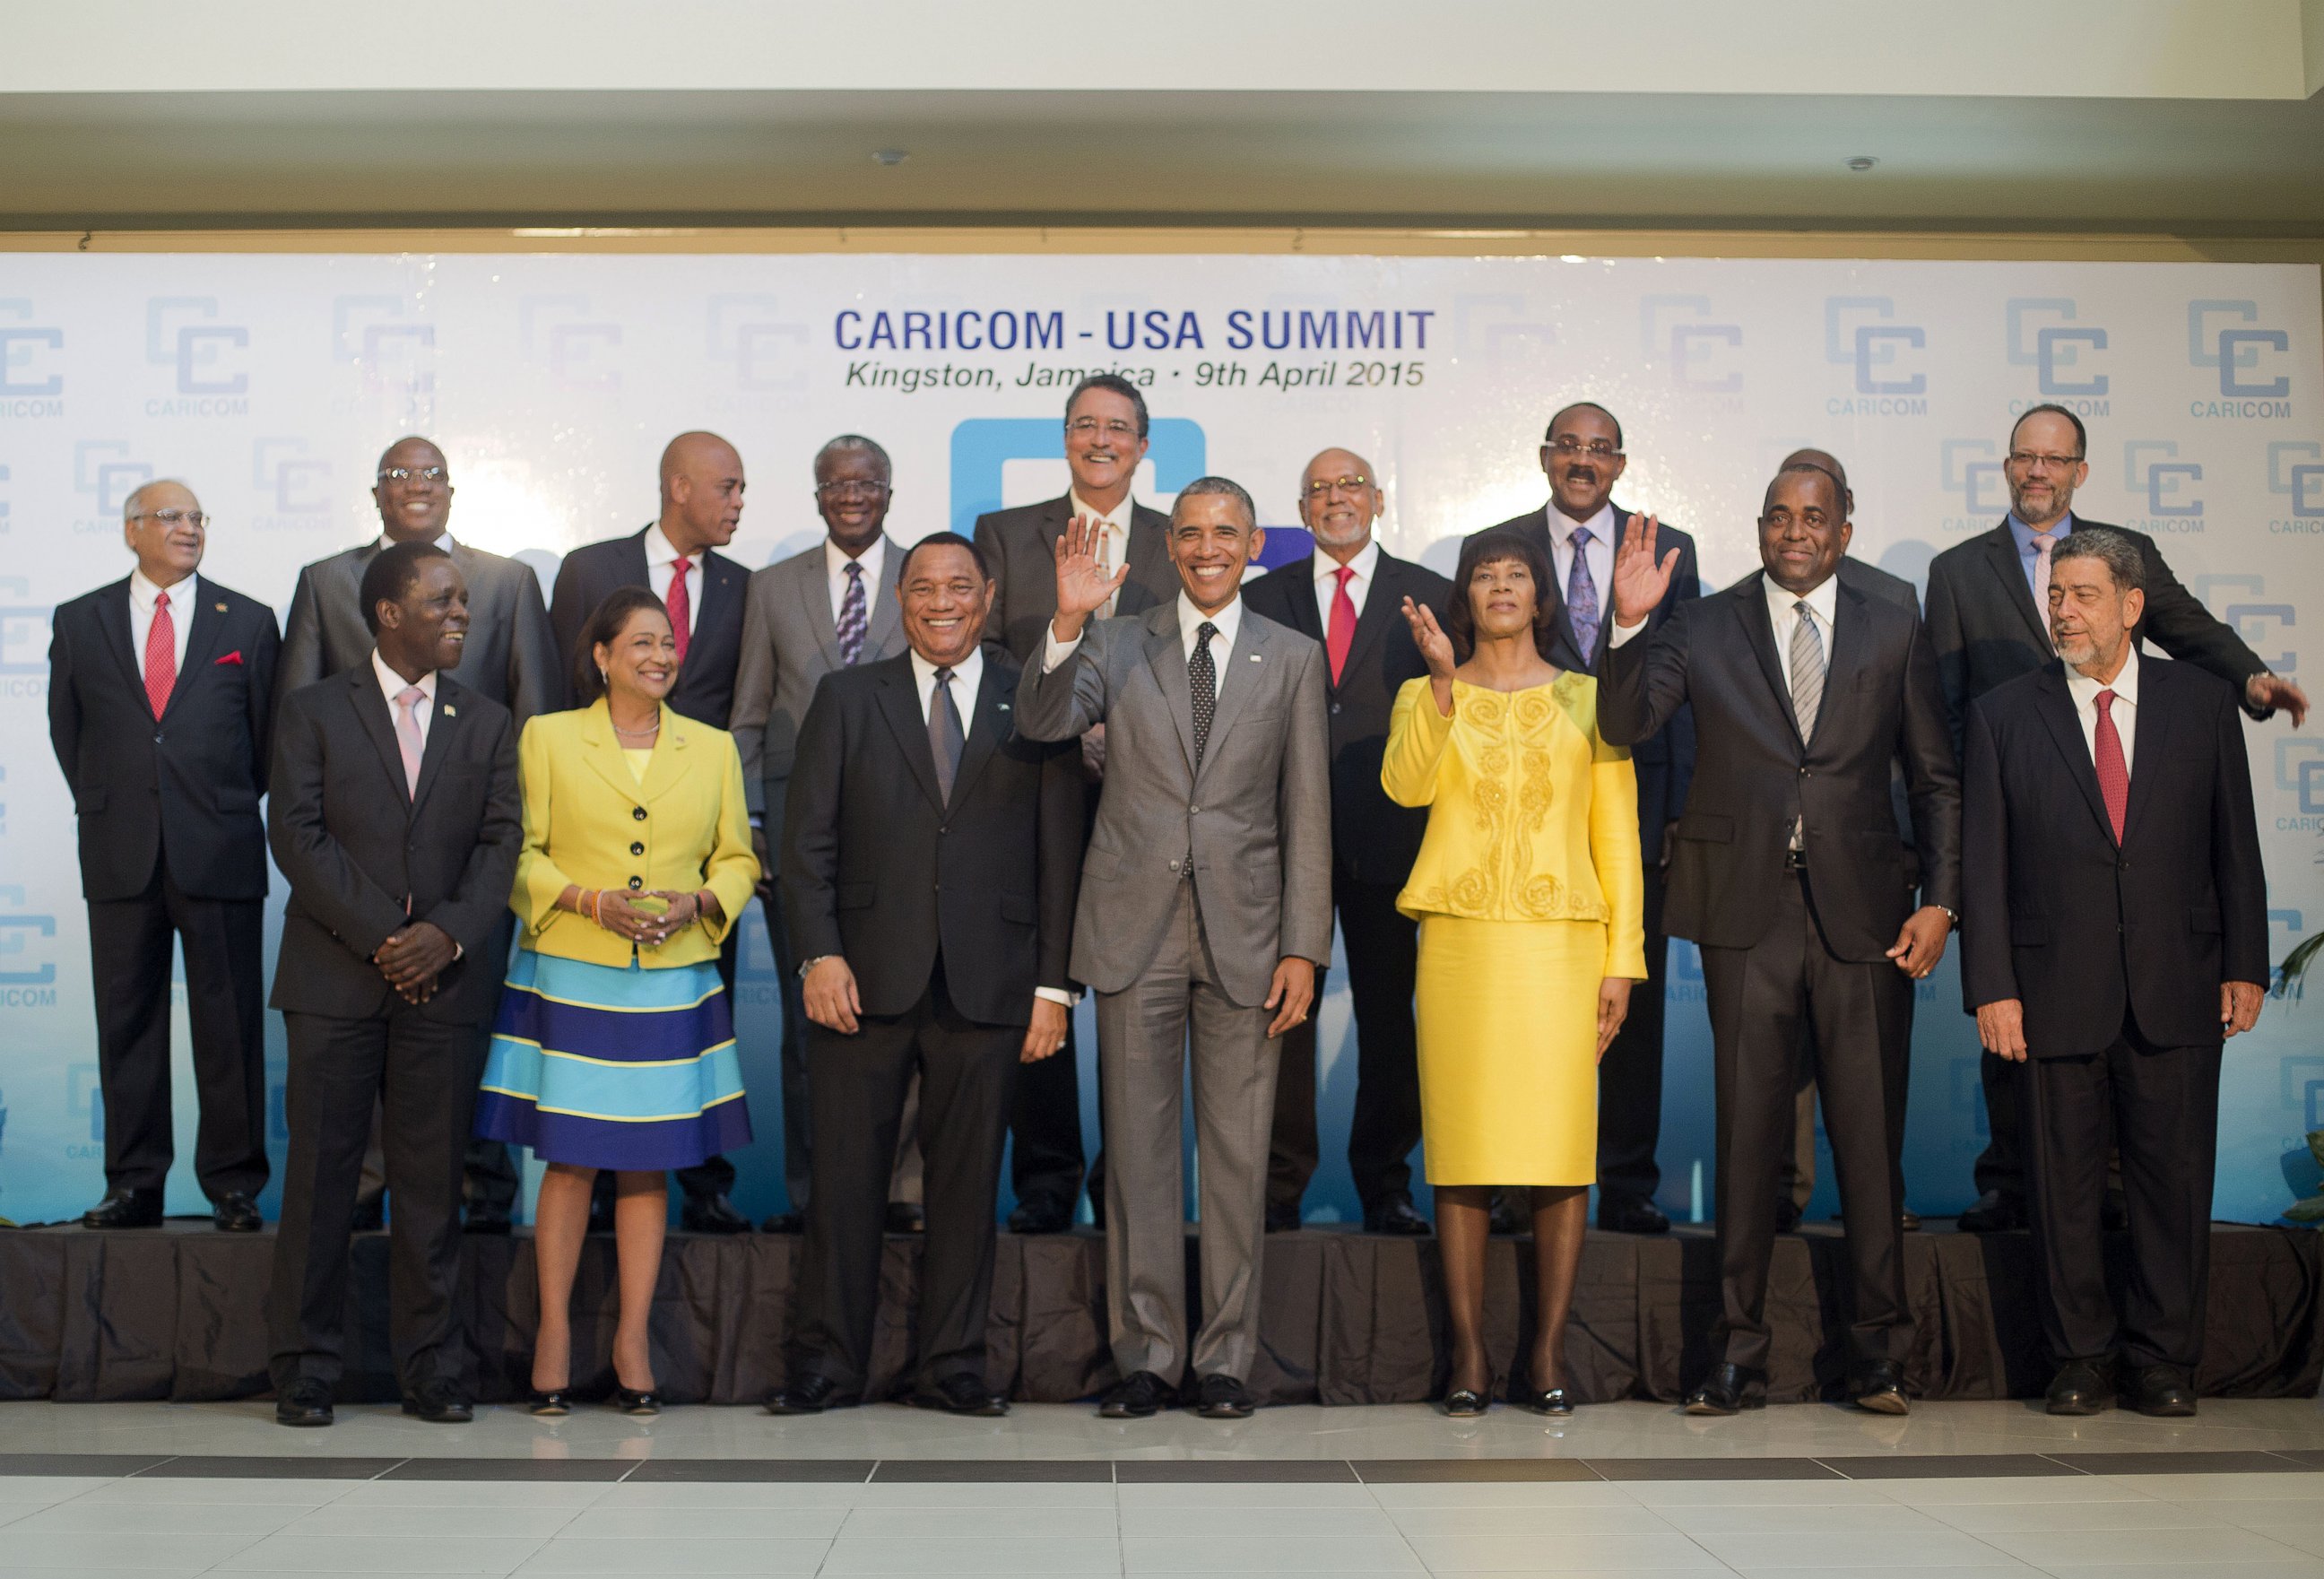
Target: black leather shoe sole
2080,1403
1116,1409
454,1413
288,1416
983,1409
1886,1400
1704,1405
1236,1410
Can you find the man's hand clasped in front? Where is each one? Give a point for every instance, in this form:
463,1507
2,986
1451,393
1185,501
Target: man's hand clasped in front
413,957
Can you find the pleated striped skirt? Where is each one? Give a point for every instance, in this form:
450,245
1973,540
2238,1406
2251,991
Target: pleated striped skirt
624,1068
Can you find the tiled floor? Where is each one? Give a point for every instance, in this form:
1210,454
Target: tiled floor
1634,1490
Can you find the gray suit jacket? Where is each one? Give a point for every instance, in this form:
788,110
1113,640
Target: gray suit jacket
1257,819
511,656
791,641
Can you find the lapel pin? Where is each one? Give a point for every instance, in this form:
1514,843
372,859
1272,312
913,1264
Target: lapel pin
1254,658
450,711
219,606
1003,706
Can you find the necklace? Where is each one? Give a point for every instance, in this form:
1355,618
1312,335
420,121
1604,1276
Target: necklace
633,733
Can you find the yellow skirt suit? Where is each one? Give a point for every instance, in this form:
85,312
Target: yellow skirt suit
1529,891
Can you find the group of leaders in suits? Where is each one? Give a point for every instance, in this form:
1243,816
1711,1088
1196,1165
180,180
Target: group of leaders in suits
1079,752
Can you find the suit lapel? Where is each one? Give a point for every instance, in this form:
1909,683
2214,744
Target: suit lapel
1751,609
1239,677
813,591
670,765
723,583
1164,657
1303,616
445,719
602,751
1153,579
1848,638
1382,604
900,704
989,723
113,617
201,643
2002,558
2056,705
2153,744
371,712
883,632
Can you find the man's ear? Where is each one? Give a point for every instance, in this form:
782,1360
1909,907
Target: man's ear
2134,606
1257,545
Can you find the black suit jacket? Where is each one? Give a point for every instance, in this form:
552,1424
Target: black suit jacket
1664,760
1880,704
354,843
1373,838
183,788
876,869
705,684
1021,549
2079,928
1986,631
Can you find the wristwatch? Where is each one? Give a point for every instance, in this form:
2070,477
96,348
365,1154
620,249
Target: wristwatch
807,964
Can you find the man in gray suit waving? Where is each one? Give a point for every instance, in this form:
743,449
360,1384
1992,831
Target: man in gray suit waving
1205,907
832,607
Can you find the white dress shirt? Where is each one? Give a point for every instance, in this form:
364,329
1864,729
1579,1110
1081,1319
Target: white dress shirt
1366,564
183,596
392,686
2124,710
1112,538
1227,623
661,572
442,540
1783,613
874,560
1600,553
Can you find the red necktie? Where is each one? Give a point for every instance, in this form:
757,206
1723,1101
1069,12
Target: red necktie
678,605
160,655
2114,774
1342,634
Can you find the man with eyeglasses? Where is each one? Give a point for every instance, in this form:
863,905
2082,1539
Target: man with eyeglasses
1988,617
160,695
675,557
1348,596
510,656
1105,439
831,608
1580,529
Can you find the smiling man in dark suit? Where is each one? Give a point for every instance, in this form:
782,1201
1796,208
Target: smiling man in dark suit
1788,875
1579,529
2115,931
1989,624
1347,595
930,855
395,815
159,691
675,557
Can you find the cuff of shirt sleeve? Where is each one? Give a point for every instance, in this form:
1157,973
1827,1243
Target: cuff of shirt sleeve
1054,652
1054,995
1623,633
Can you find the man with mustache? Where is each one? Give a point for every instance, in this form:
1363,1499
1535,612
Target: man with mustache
1579,529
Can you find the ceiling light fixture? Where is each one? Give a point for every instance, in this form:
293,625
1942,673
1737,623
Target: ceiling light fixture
890,157
1861,162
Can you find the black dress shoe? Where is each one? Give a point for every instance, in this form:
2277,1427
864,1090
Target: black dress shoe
712,1214
785,1223
808,1393
1282,1219
1221,1396
1505,1220
2080,1387
1549,1400
640,1403
236,1212
1136,1396
2114,1213
304,1403
370,1216
903,1217
487,1217
1880,1389
961,1393
440,1403
550,1403
1040,1217
1465,1403
1908,1220
1396,1216
1632,1215
2162,1390
126,1209
1788,1215
1994,1212
1729,1389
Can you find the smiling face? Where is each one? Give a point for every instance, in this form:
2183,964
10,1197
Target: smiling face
165,528
1503,600
1102,444
428,627
1582,459
641,662
851,493
1803,531
1339,500
414,507
1212,539
944,598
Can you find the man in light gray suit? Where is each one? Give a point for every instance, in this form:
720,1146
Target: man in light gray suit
1205,908
829,608
510,656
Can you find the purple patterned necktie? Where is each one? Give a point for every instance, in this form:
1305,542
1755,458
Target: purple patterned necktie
853,621
1581,597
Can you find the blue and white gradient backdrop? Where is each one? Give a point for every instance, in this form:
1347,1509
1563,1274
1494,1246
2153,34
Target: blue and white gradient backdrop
271,382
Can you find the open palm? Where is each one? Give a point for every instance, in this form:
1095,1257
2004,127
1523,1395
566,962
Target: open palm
1084,583
1640,583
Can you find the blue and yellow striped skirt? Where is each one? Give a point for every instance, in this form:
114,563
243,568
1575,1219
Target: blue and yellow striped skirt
622,1069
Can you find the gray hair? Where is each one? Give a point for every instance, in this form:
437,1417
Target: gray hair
858,443
137,496
2120,556
1226,487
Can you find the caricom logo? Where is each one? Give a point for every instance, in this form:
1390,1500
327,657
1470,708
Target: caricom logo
2303,481
2055,348
23,630
284,467
2221,334
111,481
1858,333
2162,481
372,332
1671,329
22,948
2257,622
556,330
23,346
1494,325
982,447
197,350
1971,468
749,332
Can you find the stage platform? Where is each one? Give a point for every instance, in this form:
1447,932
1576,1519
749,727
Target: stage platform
176,1313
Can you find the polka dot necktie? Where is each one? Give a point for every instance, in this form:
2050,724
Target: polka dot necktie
1202,676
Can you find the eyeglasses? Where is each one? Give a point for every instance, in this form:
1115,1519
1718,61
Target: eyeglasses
1114,429
2025,460
404,473
849,490
1323,485
174,519
1569,446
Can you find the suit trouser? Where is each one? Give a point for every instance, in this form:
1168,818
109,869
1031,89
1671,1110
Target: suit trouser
2161,1107
2000,1168
424,1075
488,1178
1797,1179
1144,1035
859,1086
1383,950
1760,998
1630,1076
1045,1163
129,943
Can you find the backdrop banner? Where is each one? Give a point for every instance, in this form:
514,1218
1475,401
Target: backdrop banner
271,382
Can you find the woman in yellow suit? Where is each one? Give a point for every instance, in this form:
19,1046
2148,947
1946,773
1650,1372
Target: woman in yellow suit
614,1046
1530,895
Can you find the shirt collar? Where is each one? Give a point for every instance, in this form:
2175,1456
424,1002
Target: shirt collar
661,552
442,540
1601,525
966,676
141,591
1227,622
1364,564
2024,533
1117,518
2084,690
1823,601
391,683
873,559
